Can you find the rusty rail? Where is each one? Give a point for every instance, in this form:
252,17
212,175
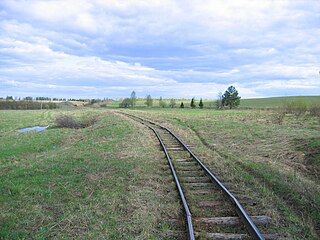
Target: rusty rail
244,216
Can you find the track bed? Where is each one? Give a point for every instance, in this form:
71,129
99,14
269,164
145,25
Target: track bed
211,210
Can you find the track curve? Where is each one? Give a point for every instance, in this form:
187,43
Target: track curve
211,210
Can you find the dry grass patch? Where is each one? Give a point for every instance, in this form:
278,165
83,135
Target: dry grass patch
66,121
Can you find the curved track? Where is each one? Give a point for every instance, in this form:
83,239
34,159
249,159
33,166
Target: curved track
211,210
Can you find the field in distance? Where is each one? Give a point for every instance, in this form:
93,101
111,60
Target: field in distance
255,103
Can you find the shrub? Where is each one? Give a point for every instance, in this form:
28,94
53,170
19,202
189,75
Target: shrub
278,116
162,103
181,105
88,121
172,103
314,110
64,121
297,107
126,103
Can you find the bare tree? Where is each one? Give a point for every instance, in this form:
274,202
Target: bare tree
133,99
219,101
149,101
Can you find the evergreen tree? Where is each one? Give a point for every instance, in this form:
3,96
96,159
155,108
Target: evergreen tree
192,104
230,98
149,101
181,105
201,103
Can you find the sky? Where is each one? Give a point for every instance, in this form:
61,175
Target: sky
180,49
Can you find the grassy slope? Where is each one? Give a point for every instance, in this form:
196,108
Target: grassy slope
267,160
275,102
262,103
102,182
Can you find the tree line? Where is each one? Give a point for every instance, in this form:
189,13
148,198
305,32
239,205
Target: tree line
26,105
29,98
230,99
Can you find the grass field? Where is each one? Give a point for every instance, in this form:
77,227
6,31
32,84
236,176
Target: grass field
277,165
275,102
109,181
256,103
101,182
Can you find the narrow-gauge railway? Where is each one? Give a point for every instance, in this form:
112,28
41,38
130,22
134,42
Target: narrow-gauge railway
211,210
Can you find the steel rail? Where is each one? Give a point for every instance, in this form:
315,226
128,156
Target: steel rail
191,234
244,216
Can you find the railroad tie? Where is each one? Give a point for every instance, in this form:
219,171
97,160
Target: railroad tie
196,179
223,236
233,236
202,191
175,148
196,185
210,203
232,221
184,160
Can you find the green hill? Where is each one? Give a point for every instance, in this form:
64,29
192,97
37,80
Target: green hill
274,102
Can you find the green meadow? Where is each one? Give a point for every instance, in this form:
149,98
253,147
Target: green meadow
110,180
100,182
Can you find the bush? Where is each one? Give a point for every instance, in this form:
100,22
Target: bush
126,103
297,107
88,121
65,121
315,110
162,103
172,103
279,115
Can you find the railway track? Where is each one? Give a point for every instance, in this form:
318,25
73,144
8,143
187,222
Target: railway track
211,210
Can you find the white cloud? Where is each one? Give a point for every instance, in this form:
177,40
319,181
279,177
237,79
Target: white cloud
40,60
289,84
191,48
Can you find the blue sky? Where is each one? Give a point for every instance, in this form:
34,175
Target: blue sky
107,48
